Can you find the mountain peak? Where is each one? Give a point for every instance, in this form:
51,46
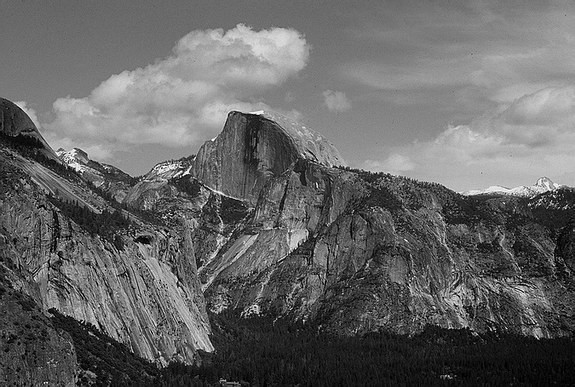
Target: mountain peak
254,147
543,184
74,155
312,145
14,122
546,182
170,169
104,176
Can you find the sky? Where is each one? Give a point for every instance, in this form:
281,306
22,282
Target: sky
465,93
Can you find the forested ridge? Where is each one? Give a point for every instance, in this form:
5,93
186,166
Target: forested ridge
107,224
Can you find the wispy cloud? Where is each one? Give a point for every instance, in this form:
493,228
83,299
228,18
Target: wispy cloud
176,100
395,163
530,137
336,101
505,74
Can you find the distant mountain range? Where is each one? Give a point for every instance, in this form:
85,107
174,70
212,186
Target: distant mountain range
543,184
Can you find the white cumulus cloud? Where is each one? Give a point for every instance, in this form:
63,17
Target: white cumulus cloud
514,144
336,101
395,164
182,99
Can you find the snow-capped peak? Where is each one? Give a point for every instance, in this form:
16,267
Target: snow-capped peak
73,155
543,184
171,169
546,183
75,158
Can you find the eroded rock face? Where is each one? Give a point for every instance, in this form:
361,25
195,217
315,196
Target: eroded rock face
210,217
155,185
252,149
357,252
137,283
565,248
109,179
141,287
387,253
15,122
276,229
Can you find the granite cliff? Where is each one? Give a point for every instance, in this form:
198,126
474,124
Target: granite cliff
71,249
358,252
15,123
253,148
265,220
396,255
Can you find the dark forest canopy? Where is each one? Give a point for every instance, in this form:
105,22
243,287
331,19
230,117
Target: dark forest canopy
261,352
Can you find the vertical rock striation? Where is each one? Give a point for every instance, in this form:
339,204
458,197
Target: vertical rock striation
252,149
359,252
142,291
15,122
137,283
394,255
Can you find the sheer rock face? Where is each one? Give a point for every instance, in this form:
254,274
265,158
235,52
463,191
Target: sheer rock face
142,289
252,149
145,295
358,254
565,248
14,121
393,254
32,351
278,230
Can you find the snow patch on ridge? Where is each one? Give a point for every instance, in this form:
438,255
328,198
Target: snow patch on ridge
170,169
543,184
75,158
223,194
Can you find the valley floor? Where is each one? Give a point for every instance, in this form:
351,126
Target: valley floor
259,352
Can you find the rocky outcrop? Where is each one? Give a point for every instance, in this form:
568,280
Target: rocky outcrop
14,122
263,222
107,178
252,149
211,217
136,282
291,209
155,185
141,288
358,252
